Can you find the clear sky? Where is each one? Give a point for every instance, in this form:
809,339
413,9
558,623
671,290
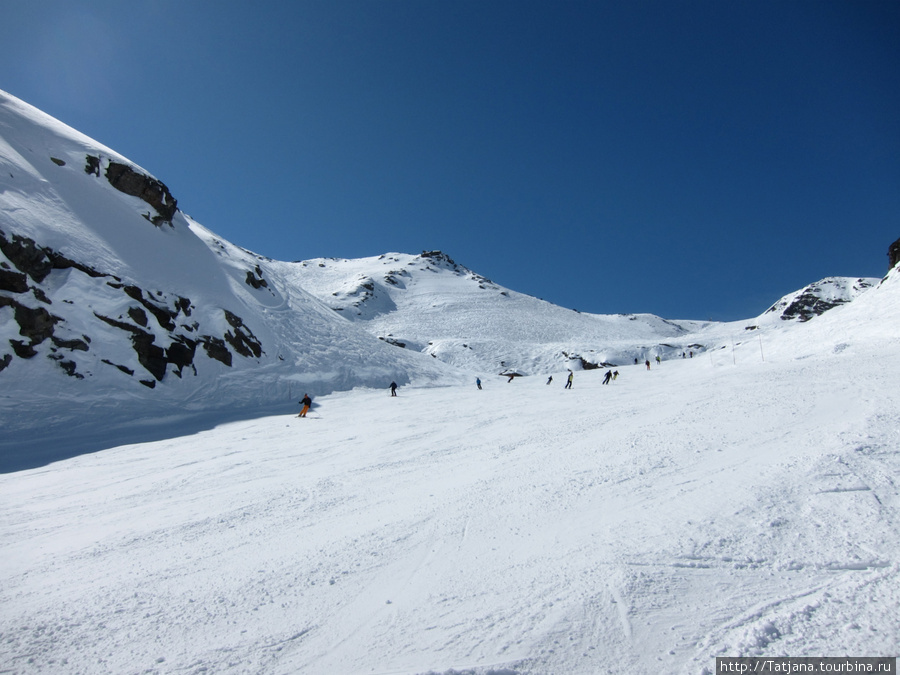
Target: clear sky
691,158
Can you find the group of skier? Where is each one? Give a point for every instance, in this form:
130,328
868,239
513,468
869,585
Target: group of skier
610,376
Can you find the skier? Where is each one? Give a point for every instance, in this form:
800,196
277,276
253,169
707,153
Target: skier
608,377
549,379
306,402
647,363
657,360
393,388
615,375
478,382
569,381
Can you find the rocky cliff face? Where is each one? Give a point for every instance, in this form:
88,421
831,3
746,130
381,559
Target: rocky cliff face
146,188
159,327
894,254
818,298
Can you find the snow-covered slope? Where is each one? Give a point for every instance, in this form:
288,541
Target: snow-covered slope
432,304
115,306
816,299
739,506
114,301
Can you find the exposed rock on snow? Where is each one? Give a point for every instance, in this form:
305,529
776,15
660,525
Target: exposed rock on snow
816,299
146,188
894,254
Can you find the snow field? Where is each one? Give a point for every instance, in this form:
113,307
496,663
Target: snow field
645,526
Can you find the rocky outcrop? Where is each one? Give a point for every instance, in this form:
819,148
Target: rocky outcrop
155,323
35,261
818,298
894,254
146,188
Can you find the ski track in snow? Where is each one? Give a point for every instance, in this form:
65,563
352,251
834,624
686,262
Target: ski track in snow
641,527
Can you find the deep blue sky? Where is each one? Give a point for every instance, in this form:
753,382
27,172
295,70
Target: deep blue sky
690,158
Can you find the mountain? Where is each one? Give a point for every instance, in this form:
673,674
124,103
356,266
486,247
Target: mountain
163,510
431,304
816,299
115,301
116,306
736,505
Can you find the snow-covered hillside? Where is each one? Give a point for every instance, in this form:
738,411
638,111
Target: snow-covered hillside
162,511
743,502
116,308
432,304
114,304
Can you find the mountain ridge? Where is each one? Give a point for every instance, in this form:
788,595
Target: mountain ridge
116,305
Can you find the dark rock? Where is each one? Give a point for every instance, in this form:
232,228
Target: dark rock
124,369
164,316
181,353
242,340
34,324
150,355
894,254
27,256
5,361
57,161
183,305
40,296
14,282
216,349
92,167
37,261
153,192
74,345
22,350
138,315
67,366
255,279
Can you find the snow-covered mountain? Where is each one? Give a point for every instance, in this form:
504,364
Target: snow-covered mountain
118,304
740,504
816,299
431,304
112,298
738,499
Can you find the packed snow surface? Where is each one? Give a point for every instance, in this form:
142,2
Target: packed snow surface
743,502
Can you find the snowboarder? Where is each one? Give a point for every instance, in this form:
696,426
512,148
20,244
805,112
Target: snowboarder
569,381
393,388
608,377
478,382
306,402
549,379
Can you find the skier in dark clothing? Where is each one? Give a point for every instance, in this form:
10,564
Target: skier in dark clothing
306,402
393,388
608,377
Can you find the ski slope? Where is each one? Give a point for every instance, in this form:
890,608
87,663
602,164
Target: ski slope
743,502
